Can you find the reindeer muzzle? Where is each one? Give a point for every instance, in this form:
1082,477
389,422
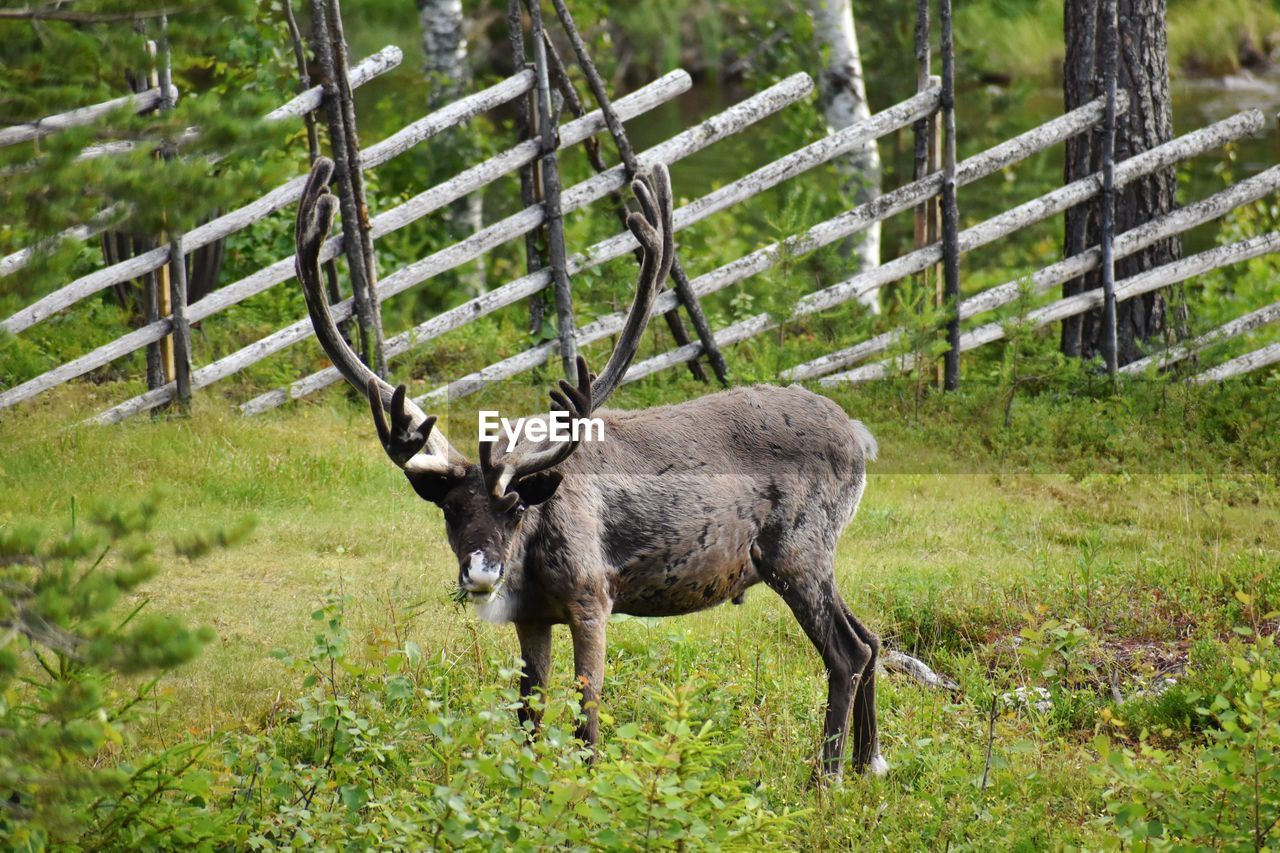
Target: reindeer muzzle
479,575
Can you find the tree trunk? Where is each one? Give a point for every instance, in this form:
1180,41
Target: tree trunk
1143,72
444,47
843,97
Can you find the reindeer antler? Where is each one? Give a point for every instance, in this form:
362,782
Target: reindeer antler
656,235
409,436
576,402
411,430
653,229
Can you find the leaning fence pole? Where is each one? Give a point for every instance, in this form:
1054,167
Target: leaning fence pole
355,164
1108,197
140,243
525,117
352,244
950,216
549,168
927,157
921,136
592,146
313,146
156,281
678,275
304,76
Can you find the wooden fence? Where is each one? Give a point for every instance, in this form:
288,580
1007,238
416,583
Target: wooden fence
933,105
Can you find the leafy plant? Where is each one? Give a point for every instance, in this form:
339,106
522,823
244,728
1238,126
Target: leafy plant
1225,796
382,752
79,657
1053,650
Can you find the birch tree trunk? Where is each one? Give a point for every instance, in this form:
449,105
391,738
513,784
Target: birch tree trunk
1143,72
444,48
842,94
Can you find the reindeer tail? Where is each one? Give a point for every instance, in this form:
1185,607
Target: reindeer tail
870,449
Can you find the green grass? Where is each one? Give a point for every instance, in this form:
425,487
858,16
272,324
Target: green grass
1218,36
1141,521
1021,40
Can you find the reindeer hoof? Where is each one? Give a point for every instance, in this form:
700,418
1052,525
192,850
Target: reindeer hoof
878,766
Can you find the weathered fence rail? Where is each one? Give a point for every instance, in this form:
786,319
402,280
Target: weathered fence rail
1250,361
732,120
1071,306
1054,275
281,196
1226,331
148,99
305,102
1054,202
820,235
721,199
932,195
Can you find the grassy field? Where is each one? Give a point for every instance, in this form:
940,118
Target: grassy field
1091,548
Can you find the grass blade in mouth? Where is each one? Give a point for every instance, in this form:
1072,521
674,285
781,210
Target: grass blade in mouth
462,596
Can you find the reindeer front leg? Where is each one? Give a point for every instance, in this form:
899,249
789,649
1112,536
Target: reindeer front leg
535,649
587,625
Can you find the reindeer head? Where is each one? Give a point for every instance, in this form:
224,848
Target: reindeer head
484,503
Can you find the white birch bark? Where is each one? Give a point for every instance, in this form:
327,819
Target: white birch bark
842,92
444,45
444,48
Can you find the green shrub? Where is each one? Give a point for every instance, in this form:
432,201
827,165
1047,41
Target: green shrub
383,753
1224,796
77,664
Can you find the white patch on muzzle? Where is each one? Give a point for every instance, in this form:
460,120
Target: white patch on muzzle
482,576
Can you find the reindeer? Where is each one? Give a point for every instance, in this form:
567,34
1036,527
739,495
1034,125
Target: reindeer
678,509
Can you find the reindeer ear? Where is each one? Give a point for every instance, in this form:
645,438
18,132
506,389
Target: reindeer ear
538,488
432,486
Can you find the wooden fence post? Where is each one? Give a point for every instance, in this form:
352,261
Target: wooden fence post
920,129
1108,199
928,156
304,76
355,161
950,215
592,146
155,287
161,76
683,290
175,348
181,334
346,157
550,174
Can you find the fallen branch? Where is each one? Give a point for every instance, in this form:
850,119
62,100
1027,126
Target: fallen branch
902,663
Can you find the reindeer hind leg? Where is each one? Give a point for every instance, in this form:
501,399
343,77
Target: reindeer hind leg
866,738
810,592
